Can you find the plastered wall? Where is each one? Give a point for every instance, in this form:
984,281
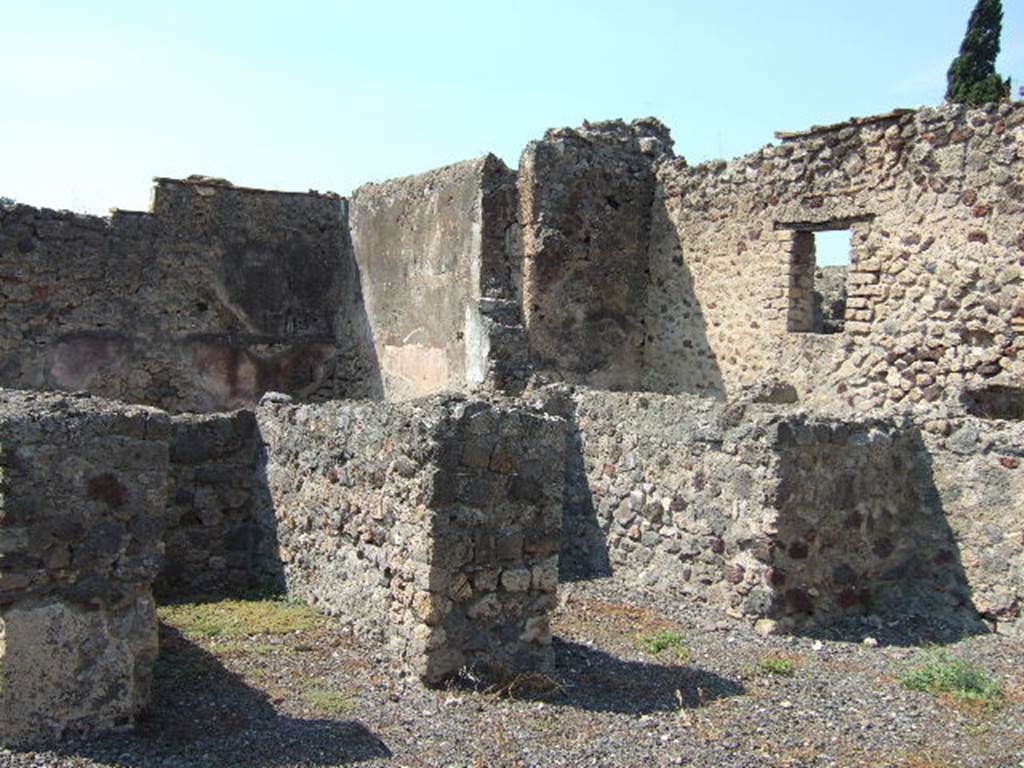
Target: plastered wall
437,254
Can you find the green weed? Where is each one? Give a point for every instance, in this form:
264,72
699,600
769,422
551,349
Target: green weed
940,672
664,640
231,618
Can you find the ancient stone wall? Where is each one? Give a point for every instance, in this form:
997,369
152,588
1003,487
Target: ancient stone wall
935,206
656,497
436,525
859,527
440,269
432,525
765,512
585,207
83,485
977,469
212,541
216,296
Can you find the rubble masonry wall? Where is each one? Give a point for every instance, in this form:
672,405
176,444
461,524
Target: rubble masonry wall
82,496
976,465
585,209
775,513
212,544
216,296
431,525
935,203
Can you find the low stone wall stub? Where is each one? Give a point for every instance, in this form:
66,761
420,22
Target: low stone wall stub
859,528
82,496
776,514
664,493
431,525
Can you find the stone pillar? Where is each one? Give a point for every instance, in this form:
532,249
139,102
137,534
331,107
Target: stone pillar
586,198
83,486
430,525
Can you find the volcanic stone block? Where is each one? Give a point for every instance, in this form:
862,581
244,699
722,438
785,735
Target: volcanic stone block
82,497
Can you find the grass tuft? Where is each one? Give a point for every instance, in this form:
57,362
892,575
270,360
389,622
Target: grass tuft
329,700
664,640
940,672
233,618
776,665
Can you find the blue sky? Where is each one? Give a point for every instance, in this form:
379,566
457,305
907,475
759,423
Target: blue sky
97,98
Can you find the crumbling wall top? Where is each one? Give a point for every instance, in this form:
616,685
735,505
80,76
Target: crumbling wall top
652,136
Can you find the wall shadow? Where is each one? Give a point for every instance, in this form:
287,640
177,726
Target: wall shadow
268,568
221,537
916,591
583,549
202,714
678,356
583,552
596,681
357,360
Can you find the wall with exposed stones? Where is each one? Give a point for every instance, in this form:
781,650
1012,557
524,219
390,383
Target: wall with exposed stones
216,296
212,542
605,261
766,512
431,525
935,204
439,262
436,525
585,206
83,484
859,525
977,469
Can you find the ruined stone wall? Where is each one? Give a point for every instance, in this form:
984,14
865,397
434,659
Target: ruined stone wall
437,254
432,525
585,207
859,525
764,512
216,296
83,485
654,494
212,540
936,208
977,469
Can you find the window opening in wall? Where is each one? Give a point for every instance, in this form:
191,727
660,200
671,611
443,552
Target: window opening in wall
819,264
832,264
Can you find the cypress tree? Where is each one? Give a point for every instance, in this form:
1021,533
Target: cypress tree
972,77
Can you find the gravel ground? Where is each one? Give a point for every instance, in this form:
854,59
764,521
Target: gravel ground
317,697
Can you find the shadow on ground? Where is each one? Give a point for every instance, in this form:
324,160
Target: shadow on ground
203,714
917,629
596,681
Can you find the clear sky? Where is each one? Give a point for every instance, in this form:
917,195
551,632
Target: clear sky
97,98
